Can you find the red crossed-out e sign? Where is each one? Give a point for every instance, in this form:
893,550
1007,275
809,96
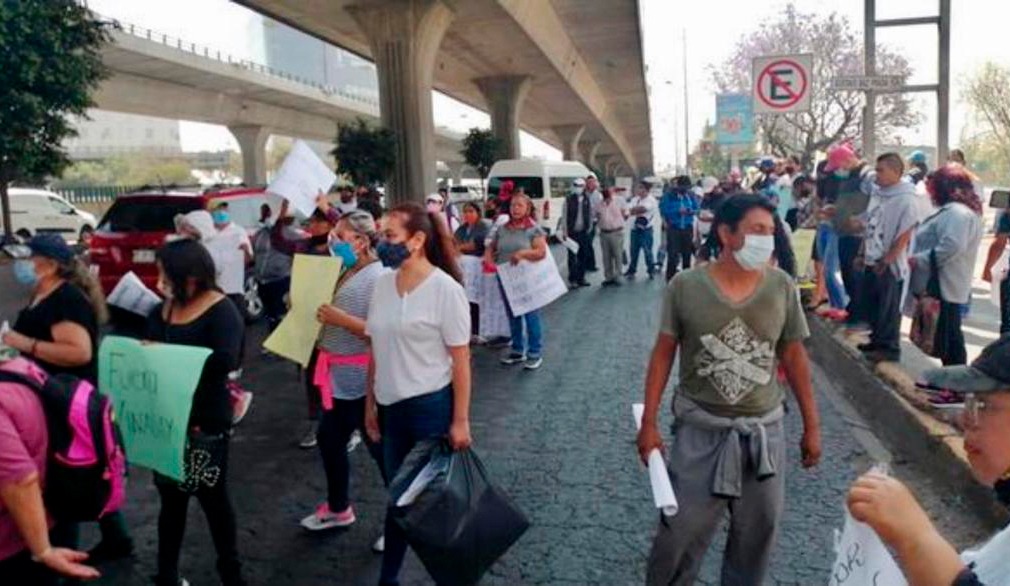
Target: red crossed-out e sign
782,84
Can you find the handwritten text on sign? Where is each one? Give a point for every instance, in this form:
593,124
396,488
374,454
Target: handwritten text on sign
862,558
531,285
152,388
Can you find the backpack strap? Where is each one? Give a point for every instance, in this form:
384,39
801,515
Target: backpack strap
7,376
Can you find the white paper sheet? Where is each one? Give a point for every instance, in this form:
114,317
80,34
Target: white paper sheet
531,285
131,294
659,478
571,245
301,177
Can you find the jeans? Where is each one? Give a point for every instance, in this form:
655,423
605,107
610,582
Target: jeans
272,295
1004,307
534,330
335,429
404,425
884,314
852,277
641,240
578,263
216,505
827,246
679,248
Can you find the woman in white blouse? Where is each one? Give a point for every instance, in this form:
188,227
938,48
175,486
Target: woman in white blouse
419,330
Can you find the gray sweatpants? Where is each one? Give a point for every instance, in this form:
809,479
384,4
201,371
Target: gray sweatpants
612,244
682,540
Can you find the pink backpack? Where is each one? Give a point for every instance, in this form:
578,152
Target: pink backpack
86,464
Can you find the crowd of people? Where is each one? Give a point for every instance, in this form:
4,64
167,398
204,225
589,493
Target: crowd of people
391,366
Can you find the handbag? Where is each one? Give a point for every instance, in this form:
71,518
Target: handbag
926,312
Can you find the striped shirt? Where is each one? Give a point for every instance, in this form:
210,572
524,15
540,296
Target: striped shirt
353,296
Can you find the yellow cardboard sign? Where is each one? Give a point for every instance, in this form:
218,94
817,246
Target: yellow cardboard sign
313,280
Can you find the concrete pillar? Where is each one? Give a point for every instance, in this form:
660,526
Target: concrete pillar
589,150
569,135
456,171
252,141
505,95
611,165
404,37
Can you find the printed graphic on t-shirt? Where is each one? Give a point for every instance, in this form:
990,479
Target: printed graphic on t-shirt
199,471
736,361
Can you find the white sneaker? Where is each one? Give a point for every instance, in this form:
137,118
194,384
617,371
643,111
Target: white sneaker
354,442
309,439
380,544
324,518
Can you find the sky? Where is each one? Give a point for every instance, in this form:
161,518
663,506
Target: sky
711,28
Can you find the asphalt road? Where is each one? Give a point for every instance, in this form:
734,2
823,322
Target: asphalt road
559,440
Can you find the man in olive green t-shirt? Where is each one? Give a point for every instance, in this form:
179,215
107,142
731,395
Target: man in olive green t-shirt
733,321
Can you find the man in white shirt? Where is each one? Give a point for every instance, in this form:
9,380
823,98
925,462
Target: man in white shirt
595,196
232,251
643,213
348,202
610,214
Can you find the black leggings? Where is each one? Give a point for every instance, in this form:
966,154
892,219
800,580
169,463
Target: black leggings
335,429
216,505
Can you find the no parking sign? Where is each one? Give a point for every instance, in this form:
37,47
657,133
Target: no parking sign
782,84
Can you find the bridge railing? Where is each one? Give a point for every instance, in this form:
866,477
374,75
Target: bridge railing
94,194
249,65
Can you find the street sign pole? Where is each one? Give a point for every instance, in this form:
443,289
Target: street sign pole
941,87
869,69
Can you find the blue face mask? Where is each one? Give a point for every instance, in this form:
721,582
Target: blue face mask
392,255
345,252
221,217
24,272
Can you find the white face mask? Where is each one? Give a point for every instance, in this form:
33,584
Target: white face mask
756,252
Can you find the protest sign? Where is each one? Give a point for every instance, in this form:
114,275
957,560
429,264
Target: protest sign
151,386
473,273
313,279
803,248
531,285
494,322
131,294
662,489
862,558
301,177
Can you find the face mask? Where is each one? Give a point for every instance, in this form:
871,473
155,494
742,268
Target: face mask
392,255
434,207
345,252
24,272
841,173
221,217
756,252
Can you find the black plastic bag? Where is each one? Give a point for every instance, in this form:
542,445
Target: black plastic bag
459,524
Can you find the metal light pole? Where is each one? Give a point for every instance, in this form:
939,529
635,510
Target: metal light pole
941,87
687,119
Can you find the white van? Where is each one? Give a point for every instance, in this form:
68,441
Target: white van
37,210
546,182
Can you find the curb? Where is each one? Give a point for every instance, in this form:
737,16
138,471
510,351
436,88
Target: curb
886,397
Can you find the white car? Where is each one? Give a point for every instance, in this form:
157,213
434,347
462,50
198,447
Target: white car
37,210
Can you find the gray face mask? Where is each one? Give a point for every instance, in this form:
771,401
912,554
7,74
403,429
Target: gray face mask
756,252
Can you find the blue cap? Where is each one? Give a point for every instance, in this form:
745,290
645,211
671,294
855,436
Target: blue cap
51,246
917,157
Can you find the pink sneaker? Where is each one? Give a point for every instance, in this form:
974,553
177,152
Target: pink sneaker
324,518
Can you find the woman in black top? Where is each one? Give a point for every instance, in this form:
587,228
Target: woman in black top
59,328
59,331
196,313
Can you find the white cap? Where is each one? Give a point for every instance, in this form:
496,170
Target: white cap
199,221
709,183
591,175
579,182
435,197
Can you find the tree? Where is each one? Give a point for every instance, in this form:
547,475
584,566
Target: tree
128,170
988,94
833,116
49,56
481,148
365,153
